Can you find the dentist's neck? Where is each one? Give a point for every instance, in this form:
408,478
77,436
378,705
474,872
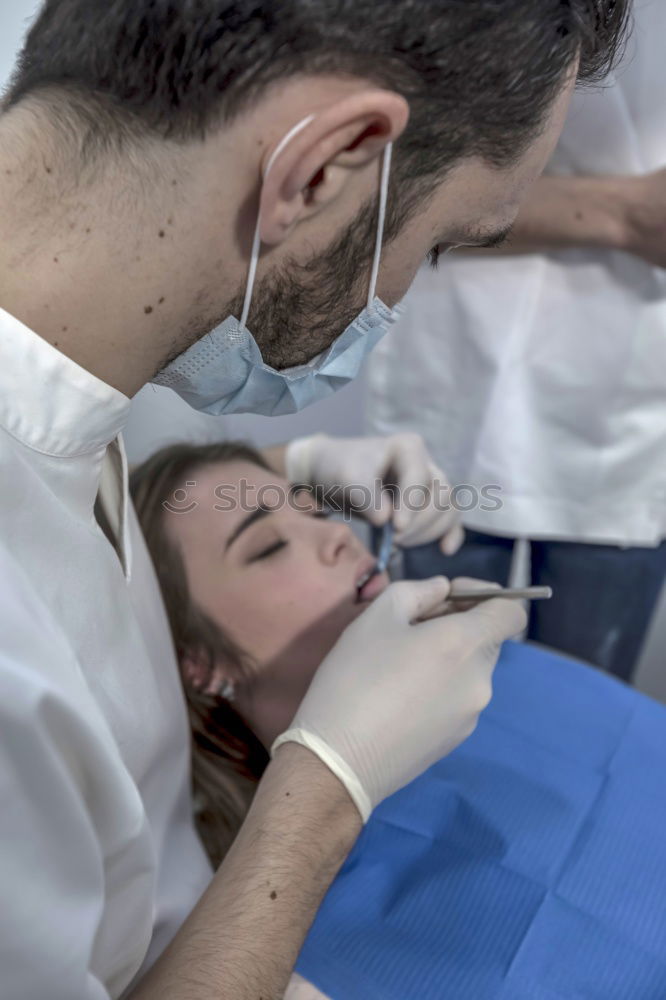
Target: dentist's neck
106,267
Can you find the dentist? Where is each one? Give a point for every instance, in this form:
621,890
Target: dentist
228,198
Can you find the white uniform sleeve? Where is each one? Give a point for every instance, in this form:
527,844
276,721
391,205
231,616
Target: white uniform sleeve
51,867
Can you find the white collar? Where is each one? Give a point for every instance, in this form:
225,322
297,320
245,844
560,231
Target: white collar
50,403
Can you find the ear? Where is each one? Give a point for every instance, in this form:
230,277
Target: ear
314,169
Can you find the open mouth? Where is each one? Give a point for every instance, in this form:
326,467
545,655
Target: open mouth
372,588
365,574
368,582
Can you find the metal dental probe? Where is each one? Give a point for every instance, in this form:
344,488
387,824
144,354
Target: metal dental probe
459,595
473,596
518,593
383,555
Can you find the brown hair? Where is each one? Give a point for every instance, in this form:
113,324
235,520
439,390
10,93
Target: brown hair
479,75
227,758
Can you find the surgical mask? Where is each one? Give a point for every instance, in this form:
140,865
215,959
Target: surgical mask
224,372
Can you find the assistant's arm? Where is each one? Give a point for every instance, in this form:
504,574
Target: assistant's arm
610,213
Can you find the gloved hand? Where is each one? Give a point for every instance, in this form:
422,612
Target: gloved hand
393,697
340,464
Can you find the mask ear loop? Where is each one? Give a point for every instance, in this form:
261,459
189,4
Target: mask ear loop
381,219
256,240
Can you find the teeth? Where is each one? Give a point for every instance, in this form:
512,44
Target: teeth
364,579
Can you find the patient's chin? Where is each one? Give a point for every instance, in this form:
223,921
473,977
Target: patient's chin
292,666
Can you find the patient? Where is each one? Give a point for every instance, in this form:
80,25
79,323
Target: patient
541,836
255,597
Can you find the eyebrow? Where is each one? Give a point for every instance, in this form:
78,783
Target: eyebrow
247,522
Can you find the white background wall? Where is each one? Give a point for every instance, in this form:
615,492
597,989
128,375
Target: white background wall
159,417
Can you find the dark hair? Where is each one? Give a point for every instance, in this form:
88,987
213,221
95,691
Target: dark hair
227,759
479,75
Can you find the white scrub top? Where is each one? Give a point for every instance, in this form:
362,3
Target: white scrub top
546,374
99,860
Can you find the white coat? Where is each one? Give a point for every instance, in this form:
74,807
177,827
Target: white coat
99,860
545,375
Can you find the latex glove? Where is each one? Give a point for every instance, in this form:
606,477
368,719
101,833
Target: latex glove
355,469
393,697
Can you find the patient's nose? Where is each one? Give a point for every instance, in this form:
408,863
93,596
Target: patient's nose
337,542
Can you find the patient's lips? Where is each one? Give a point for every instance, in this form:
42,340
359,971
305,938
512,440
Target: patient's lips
373,586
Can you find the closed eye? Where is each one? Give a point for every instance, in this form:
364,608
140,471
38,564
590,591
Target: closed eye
269,551
275,547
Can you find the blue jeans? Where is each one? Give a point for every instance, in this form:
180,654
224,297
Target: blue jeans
603,596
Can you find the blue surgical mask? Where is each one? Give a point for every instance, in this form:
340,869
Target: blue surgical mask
224,372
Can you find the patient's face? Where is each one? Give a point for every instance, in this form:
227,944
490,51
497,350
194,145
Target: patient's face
281,584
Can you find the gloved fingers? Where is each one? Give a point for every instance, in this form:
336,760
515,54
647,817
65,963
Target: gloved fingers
454,607
298,458
381,508
498,618
409,464
426,513
428,525
358,497
452,541
469,583
473,583
397,475
412,527
414,599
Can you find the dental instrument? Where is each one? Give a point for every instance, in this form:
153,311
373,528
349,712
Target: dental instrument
517,593
459,595
473,596
383,555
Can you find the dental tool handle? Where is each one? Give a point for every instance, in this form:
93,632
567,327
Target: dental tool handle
517,593
474,596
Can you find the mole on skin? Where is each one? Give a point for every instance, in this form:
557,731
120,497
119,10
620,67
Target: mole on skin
147,309
274,895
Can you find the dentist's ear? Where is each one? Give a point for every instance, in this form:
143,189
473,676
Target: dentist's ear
316,166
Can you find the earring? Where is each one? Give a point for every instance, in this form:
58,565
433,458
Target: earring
227,690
